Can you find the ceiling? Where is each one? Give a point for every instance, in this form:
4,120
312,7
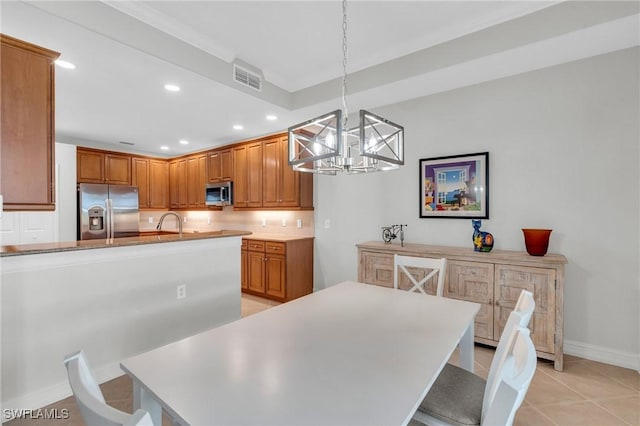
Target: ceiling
125,52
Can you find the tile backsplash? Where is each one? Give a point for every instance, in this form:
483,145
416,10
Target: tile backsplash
271,221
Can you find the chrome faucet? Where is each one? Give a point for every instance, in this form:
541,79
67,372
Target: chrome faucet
159,227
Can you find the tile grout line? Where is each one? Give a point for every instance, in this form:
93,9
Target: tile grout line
611,412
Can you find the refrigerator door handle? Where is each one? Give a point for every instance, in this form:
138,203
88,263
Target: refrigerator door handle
108,218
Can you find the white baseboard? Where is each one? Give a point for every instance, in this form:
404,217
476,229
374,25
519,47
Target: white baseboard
602,354
57,392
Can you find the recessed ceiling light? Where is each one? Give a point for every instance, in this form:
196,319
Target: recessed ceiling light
171,88
237,127
164,148
184,142
65,64
271,117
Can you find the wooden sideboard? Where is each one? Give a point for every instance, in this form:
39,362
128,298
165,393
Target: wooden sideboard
492,279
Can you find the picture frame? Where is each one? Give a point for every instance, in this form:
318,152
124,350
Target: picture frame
455,186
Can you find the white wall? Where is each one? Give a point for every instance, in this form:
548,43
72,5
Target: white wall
564,154
66,191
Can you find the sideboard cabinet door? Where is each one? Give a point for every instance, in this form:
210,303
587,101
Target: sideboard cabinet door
510,281
474,282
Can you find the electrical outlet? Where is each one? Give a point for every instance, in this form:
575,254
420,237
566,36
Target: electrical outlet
181,291
327,223
299,223
284,222
264,221
184,219
150,219
208,220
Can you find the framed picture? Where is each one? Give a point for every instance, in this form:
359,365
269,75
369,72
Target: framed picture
456,186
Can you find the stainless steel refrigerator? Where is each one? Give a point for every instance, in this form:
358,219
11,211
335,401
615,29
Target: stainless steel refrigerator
107,211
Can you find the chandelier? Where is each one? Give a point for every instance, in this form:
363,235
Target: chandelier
326,145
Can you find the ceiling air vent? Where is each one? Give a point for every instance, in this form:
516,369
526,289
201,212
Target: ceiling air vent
247,78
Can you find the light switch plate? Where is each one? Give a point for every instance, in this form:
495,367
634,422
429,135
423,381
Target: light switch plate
299,223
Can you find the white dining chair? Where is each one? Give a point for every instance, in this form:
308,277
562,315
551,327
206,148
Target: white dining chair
437,266
90,400
460,397
524,307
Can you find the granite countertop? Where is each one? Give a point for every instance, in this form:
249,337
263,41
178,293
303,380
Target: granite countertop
143,238
277,237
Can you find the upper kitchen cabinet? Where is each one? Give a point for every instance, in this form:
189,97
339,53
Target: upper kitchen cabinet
94,166
187,181
151,176
196,180
263,179
27,177
283,187
247,175
178,184
220,166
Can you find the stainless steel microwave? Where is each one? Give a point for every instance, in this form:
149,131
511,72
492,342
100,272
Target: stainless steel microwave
219,194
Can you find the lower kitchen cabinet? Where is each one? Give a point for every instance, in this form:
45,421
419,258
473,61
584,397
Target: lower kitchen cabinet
279,269
494,280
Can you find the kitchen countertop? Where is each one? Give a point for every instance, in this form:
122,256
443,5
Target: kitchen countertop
277,237
143,238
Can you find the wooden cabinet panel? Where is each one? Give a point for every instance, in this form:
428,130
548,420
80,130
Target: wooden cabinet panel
255,272
90,166
220,166
277,270
158,184
240,176
270,173
117,169
140,178
510,281
244,266
275,278
152,179
196,180
494,280
376,268
289,185
27,125
178,195
173,184
281,185
474,282
254,175
95,166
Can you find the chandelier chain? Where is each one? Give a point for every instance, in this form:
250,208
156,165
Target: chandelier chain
344,66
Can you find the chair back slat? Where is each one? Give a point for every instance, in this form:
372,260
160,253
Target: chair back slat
434,266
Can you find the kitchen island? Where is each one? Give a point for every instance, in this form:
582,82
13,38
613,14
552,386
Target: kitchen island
111,298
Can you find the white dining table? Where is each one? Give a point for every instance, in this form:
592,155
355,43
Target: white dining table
351,354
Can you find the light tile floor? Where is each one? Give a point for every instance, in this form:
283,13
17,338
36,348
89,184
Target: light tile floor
585,393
